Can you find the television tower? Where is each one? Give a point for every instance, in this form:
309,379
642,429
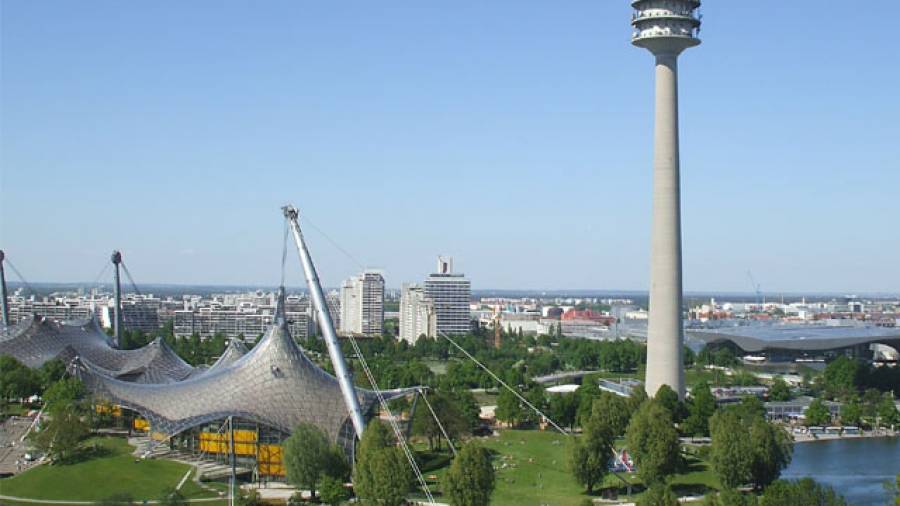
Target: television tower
665,28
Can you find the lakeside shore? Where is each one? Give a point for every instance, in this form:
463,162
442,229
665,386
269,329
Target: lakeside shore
812,438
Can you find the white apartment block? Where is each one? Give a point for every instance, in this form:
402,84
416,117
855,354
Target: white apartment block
362,304
416,314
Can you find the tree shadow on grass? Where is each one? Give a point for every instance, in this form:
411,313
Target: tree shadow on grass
683,489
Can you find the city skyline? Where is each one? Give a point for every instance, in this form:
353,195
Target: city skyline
181,157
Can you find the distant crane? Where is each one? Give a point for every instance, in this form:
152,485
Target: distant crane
755,289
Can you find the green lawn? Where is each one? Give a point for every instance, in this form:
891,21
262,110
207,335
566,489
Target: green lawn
112,470
532,469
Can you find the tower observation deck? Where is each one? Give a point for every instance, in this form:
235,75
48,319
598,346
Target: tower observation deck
665,28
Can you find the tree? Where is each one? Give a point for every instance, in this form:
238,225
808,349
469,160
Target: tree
589,457
842,377
51,372
16,380
658,495
701,407
60,435
65,393
780,391
332,491
851,412
801,492
562,409
382,473
653,441
611,411
450,414
773,449
470,480
508,409
886,411
747,449
817,413
731,452
668,398
308,456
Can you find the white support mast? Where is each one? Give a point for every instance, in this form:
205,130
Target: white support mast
324,318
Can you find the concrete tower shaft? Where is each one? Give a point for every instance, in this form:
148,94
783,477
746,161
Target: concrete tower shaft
116,259
665,28
4,308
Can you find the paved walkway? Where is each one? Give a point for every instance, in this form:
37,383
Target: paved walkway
12,448
57,501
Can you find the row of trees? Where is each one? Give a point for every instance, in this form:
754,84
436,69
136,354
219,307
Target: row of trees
382,474
18,381
745,450
873,409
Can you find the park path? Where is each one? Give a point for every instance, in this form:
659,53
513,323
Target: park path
60,501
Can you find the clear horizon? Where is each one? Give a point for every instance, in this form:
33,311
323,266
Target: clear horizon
515,137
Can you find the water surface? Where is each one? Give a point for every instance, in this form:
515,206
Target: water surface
857,468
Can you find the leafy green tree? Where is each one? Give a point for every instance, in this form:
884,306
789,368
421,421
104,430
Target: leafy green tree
668,398
508,408
451,415
780,391
773,449
308,456
653,442
470,480
658,494
589,457
702,406
16,380
817,413
59,437
66,393
611,412
51,372
382,475
63,430
750,408
332,491
731,452
851,412
747,449
842,376
802,492
562,409
886,411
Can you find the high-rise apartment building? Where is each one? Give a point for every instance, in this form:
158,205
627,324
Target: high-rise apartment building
416,314
450,294
362,304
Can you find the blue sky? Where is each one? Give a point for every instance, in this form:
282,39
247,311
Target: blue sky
514,135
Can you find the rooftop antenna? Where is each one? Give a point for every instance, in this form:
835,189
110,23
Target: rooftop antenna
318,302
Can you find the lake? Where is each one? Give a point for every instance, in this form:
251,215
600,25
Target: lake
857,468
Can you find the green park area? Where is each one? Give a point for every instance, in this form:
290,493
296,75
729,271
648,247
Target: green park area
105,468
532,464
